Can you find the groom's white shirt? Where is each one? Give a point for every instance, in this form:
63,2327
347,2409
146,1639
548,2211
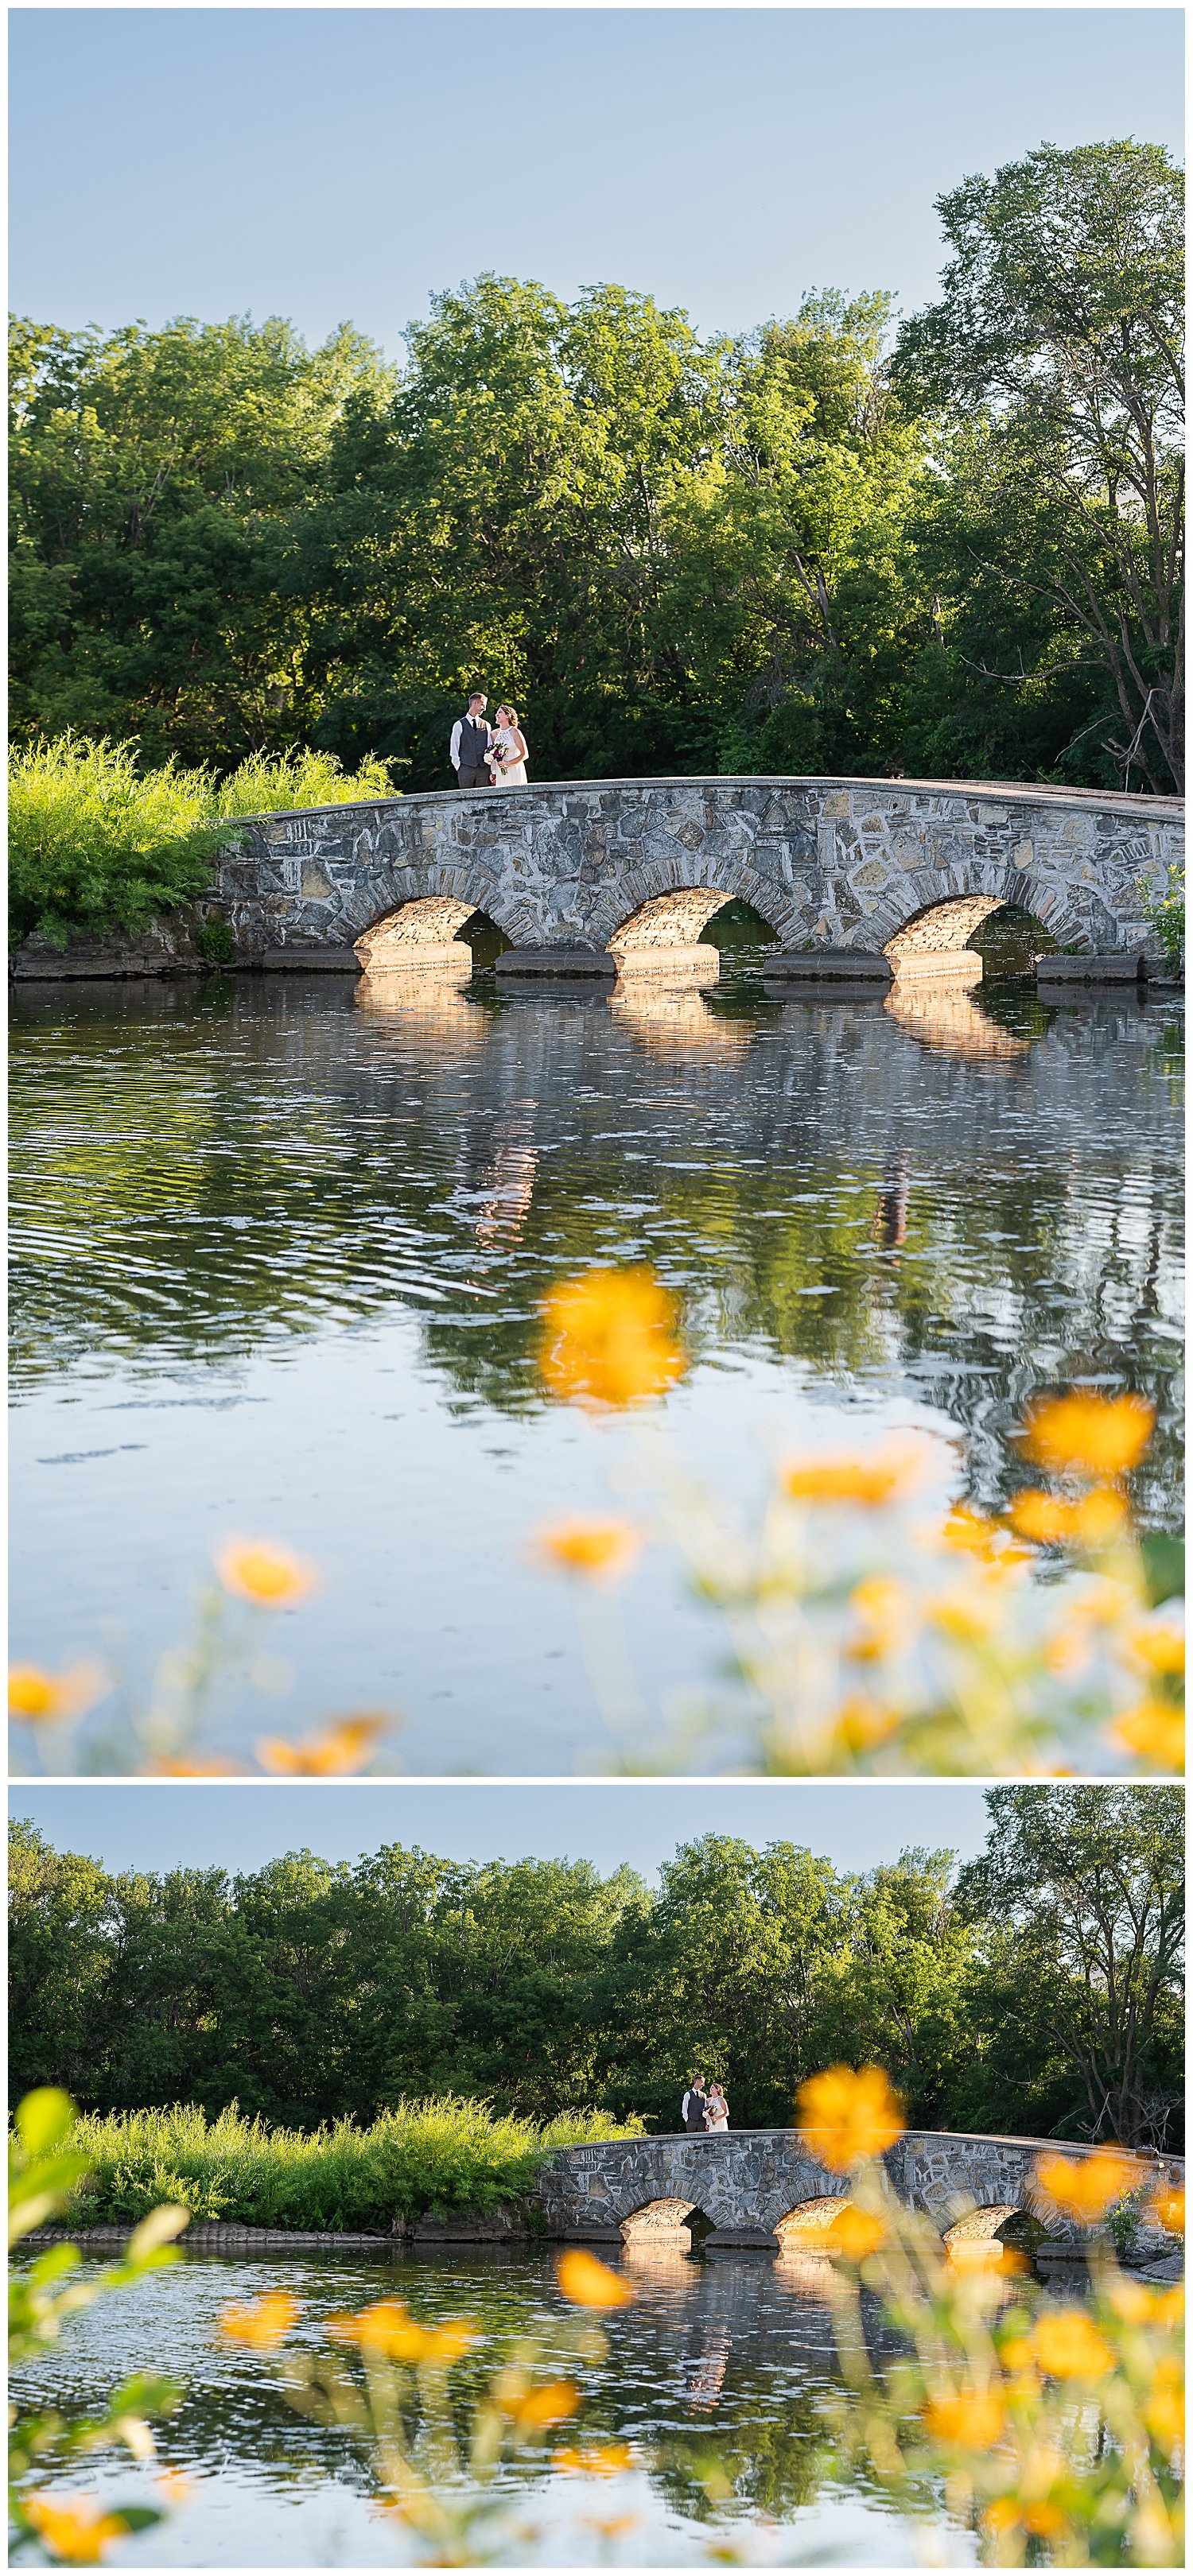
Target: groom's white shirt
457,730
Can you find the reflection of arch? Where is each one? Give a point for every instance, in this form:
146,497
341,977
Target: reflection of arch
943,1017
429,1004
672,1018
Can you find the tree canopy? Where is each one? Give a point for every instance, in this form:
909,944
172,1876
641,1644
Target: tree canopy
1037,1994
810,546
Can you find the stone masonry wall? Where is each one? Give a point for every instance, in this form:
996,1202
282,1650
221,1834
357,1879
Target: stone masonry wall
827,862
749,2180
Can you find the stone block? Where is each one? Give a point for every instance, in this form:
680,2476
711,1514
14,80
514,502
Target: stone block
299,960
557,961
829,965
1120,966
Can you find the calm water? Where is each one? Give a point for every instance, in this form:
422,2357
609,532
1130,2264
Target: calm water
729,2355
281,1244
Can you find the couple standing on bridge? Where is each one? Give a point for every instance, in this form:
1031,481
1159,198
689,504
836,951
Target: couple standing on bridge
485,755
705,2107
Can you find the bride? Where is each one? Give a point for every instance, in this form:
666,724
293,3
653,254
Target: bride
508,750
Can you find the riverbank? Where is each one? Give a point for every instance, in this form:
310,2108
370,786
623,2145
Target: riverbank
423,2166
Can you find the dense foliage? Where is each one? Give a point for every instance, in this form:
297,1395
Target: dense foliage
778,551
419,2158
310,1992
95,840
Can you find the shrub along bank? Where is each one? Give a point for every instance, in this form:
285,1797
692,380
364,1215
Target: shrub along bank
420,2159
95,843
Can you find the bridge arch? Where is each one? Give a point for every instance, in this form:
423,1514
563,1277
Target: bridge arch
946,922
669,916
802,2229
981,2226
671,2224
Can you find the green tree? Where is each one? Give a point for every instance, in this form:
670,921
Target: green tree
1054,363
1078,1901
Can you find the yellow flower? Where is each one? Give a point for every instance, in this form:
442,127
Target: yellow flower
263,2324
193,1766
1091,1522
589,2284
174,2489
854,2233
260,1571
1167,2208
589,1547
893,1469
1164,2413
973,2421
1084,2187
1067,2345
1090,1435
1008,2514
975,1533
550,2405
388,2328
862,1723
610,1339
1156,1732
881,1606
41,1698
1139,2306
843,2117
77,2530
596,2460
985,2255
344,1746
1159,1646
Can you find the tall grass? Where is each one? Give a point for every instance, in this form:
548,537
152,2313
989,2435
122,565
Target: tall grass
97,844
420,2158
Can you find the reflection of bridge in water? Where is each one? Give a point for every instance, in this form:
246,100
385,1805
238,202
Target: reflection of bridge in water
761,2187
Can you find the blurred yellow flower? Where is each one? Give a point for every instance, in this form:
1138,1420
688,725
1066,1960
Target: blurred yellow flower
263,2323
77,2530
974,1533
589,1547
1156,1732
1007,2514
845,2117
345,1745
596,2460
974,2420
1085,2186
1088,1435
1091,1522
1159,1646
388,2329
589,2284
861,1723
193,1766
42,1697
893,1469
174,2489
609,1338
854,2233
1138,2305
261,1571
550,2405
1167,2208
1067,2345
1164,2413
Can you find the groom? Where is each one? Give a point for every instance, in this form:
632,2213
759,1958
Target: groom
471,737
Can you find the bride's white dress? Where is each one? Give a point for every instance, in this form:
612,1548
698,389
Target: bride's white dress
515,774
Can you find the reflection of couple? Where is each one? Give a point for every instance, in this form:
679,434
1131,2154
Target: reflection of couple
704,2106
488,755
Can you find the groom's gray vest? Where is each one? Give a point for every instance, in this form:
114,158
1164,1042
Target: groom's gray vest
474,744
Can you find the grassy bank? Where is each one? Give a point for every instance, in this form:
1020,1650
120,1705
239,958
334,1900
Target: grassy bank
97,844
421,2158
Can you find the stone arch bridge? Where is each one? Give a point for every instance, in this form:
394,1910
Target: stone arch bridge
760,2187
619,873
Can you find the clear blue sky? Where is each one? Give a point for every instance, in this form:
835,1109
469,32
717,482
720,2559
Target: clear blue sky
147,1825
342,164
